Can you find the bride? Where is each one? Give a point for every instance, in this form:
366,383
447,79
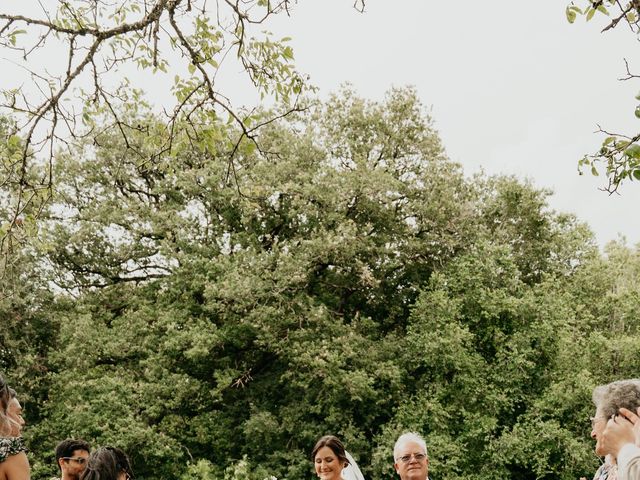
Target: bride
333,462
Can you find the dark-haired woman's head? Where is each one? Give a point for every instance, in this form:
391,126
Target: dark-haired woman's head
329,458
108,463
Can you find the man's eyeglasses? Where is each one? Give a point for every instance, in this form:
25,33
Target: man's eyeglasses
80,460
407,458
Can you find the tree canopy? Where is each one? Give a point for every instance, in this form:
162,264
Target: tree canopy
214,319
212,287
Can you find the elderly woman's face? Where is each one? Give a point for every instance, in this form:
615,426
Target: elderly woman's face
598,424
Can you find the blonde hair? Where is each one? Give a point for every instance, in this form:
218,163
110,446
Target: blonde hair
6,394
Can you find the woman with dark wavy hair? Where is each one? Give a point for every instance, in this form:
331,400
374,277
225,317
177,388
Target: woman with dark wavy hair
108,463
333,462
14,464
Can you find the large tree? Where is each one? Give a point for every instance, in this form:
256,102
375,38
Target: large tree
345,278
209,291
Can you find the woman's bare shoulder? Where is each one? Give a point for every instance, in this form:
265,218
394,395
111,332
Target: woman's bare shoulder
15,467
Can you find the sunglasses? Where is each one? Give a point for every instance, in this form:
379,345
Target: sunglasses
80,460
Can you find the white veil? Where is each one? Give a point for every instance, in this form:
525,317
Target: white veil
351,471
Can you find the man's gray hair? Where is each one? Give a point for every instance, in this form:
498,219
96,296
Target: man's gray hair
611,397
406,438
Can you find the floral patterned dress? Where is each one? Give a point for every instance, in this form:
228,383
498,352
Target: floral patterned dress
11,446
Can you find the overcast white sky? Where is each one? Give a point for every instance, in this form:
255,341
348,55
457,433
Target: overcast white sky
514,88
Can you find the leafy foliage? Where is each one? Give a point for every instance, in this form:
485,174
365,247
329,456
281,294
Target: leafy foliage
619,154
95,44
214,320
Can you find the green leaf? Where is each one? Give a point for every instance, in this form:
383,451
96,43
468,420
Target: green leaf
633,151
14,141
287,53
590,13
192,68
637,111
571,14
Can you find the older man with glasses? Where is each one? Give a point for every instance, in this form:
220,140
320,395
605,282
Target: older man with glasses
411,460
71,457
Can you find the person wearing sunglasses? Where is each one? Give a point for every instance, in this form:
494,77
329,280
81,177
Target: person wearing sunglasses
14,464
108,463
411,460
71,457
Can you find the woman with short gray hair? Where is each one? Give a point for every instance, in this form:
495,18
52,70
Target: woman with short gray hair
608,400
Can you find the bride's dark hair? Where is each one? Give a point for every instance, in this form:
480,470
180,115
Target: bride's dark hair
334,444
